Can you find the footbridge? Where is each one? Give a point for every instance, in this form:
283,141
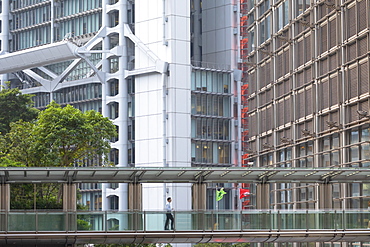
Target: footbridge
70,227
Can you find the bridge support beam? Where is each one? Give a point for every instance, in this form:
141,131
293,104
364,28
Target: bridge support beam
199,204
135,196
199,196
69,197
325,196
4,197
326,202
4,204
135,199
263,196
70,206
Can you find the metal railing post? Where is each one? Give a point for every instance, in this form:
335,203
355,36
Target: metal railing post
174,219
241,220
144,228
307,219
36,222
6,221
212,222
344,220
105,221
75,220
66,221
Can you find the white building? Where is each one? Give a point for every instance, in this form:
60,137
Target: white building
164,71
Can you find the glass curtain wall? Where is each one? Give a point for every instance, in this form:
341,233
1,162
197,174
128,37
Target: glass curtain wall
211,117
211,128
31,21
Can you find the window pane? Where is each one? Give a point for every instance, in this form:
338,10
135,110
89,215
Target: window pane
365,135
365,151
353,153
354,136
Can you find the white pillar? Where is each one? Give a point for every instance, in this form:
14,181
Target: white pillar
123,105
105,110
4,34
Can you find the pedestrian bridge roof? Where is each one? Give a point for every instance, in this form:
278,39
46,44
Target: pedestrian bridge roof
182,175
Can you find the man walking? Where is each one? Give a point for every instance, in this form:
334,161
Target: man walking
169,215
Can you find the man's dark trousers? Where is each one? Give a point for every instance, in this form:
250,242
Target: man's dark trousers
169,217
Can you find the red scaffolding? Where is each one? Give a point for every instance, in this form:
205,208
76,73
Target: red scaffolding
243,67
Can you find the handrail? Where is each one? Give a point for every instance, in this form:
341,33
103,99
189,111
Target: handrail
207,221
190,226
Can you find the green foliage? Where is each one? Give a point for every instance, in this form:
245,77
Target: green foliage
15,106
59,137
21,143
83,223
48,196
5,158
65,135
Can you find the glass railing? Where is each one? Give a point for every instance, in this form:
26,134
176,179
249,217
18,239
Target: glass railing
248,220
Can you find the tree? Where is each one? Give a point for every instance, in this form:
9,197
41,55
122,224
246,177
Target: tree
60,136
15,106
21,143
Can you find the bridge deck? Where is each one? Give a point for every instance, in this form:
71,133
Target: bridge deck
55,228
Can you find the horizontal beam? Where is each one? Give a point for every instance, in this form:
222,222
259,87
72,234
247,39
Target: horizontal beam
54,238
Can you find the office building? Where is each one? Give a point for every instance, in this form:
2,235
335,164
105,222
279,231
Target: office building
207,83
165,72
308,102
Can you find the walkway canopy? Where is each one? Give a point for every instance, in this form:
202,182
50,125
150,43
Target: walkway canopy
183,175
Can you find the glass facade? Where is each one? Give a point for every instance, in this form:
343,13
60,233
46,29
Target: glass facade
32,23
309,95
211,117
358,148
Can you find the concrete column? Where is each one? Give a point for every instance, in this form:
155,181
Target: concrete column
4,204
199,204
263,196
4,34
325,202
5,27
69,197
325,196
135,190
70,205
123,120
4,197
105,69
135,198
199,196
